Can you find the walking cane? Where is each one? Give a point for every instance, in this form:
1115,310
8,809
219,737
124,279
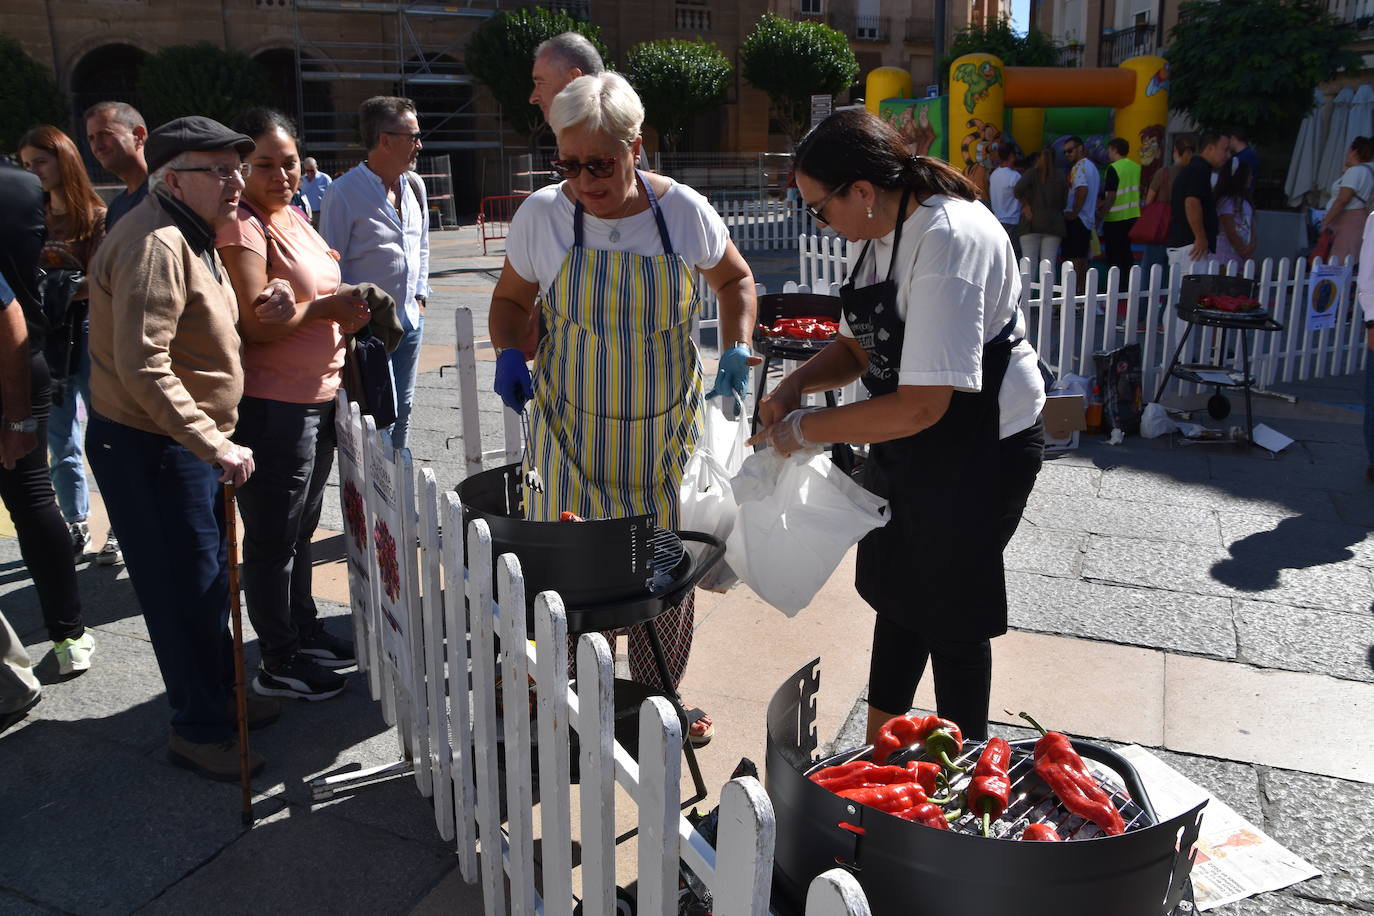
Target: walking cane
240,683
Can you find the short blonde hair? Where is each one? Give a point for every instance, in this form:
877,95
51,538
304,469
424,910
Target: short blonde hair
599,102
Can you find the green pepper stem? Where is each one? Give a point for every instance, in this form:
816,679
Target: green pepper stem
987,816
1038,727
943,757
954,815
942,800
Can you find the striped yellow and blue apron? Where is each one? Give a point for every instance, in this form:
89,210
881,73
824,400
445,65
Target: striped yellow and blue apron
617,383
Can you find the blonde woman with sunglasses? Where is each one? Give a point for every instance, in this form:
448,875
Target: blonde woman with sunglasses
612,254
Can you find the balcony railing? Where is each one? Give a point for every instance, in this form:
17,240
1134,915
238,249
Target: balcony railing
1071,55
862,28
921,29
1124,44
1357,12
689,19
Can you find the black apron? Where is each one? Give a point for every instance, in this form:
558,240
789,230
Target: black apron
938,562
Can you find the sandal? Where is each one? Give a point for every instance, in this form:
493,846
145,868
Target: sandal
700,729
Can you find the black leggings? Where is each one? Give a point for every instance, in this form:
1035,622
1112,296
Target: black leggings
963,668
44,541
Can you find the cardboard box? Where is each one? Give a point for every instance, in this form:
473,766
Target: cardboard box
1064,419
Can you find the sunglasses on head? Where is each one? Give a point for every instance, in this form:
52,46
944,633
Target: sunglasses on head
571,168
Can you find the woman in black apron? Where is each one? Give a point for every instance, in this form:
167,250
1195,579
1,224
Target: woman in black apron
932,326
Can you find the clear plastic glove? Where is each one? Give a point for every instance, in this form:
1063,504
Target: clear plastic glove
513,382
787,436
732,378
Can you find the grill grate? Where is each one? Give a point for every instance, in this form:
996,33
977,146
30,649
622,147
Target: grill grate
666,550
1031,801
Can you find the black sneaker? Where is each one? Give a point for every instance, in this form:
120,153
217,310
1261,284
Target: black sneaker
327,650
298,677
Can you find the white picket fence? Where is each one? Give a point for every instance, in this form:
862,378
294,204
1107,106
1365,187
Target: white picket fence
761,225
427,619
1142,310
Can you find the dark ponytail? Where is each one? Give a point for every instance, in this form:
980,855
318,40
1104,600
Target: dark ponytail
854,145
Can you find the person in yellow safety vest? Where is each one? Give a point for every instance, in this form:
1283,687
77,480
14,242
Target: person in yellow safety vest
1120,206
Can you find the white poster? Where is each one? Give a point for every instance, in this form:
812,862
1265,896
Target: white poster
1326,289
348,436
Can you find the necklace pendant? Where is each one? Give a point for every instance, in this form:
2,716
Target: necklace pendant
615,235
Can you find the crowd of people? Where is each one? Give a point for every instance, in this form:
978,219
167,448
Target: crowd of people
200,322
1049,211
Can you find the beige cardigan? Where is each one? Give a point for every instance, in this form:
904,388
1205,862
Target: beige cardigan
166,357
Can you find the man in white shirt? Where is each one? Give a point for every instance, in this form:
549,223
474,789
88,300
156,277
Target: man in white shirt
1081,212
1002,194
377,218
313,183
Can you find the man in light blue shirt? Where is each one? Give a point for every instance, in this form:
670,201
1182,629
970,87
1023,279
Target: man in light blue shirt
377,218
313,183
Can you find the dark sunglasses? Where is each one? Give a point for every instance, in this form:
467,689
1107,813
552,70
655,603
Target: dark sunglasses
816,211
412,137
571,168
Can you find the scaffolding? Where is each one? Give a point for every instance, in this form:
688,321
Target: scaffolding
415,50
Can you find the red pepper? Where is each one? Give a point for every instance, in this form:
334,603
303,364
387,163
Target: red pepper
887,798
859,773
941,737
570,517
1063,770
1041,833
928,814
990,788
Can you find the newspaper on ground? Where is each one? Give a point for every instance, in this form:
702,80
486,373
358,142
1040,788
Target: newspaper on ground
1235,859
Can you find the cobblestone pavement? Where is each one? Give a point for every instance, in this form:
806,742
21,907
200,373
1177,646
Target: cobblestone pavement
1230,592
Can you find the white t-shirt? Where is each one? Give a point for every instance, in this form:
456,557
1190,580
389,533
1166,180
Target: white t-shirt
1360,179
1002,191
1085,175
957,287
541,233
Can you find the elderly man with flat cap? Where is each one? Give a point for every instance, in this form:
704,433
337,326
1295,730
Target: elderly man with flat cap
166,378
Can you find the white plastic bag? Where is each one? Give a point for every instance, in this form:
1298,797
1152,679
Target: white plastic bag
1155,421
797,518
705,498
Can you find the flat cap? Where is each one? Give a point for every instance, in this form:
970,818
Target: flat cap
189,135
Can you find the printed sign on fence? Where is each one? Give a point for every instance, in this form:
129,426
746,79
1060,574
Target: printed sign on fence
1326,295
349,435
389,554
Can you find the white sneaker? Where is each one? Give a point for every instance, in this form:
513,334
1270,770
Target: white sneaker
110,554
74,654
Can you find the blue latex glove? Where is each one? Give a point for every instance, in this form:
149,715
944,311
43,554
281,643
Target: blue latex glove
513,382
732,378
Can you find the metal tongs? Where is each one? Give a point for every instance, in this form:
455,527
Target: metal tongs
532,480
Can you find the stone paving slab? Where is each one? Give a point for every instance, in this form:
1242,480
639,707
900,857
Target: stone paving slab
1123,518
1041,550
1068,479
1222,496
1301,639
282,866
1329,823
1198,570
1152,618
1298,539
100,828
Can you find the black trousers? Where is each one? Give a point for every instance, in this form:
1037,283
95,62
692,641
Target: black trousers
1116,244
44,542
963,669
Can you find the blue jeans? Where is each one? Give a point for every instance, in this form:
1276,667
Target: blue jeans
405,365
293,449
168,507
1369,406
64,444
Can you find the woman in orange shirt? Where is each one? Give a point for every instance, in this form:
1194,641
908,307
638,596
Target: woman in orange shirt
291,373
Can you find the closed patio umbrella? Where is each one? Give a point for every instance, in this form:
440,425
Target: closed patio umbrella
1331,162
1301,187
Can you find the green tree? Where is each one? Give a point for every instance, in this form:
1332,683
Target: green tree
28,95
1255,63
500,53
792,61
1033,49
200,79
676,79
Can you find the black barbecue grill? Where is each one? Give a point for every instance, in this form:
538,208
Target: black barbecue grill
611,573
913,870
